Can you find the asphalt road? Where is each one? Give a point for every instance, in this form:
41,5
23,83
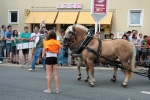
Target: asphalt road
20,84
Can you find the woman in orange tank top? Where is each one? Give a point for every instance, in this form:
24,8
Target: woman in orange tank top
51,50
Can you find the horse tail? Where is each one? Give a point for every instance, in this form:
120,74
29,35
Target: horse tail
132,61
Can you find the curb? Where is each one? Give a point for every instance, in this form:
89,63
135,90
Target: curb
60,67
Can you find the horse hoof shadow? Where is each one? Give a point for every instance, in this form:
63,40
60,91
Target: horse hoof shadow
79,79
113,80
124,85
91,85
85,80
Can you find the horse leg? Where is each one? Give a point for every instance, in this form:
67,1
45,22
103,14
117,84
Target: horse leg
90,64
115,74
79,69
87,71
125,64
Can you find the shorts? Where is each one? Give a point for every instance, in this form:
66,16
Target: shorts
25,51
14,50
8,47
51,60
33,51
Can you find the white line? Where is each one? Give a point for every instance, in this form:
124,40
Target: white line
145,92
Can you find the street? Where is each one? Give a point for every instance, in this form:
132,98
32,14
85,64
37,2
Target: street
20,84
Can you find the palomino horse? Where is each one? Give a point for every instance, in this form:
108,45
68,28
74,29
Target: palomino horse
111,49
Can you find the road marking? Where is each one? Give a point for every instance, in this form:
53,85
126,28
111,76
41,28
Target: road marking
145,92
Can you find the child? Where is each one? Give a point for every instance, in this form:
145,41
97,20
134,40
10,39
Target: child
15,52
50,50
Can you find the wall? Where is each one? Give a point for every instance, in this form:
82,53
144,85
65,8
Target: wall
120,8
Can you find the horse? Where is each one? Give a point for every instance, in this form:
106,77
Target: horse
111,49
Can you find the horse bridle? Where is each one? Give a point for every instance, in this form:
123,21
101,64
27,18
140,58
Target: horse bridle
69,39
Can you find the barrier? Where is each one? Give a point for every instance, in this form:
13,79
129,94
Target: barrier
143,56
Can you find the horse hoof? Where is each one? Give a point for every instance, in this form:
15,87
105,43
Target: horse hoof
85,80
91,85
113,80
79,79
124,86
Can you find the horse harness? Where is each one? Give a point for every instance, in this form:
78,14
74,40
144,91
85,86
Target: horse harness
84,44
98,53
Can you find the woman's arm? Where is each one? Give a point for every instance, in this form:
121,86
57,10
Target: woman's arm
59,51
43,53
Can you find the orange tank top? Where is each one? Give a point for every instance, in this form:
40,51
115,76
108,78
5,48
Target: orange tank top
51,45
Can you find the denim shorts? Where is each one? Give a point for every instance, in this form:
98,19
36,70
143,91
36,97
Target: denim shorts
8,47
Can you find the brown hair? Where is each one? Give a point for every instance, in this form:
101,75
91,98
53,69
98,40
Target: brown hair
61,31
43,27
51,35
41,31
25,27
134,36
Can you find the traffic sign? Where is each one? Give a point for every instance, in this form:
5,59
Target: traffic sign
99,10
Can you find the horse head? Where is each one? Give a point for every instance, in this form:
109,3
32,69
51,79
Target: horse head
74,34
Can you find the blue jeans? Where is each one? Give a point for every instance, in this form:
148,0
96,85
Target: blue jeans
37,53
1,52
8,48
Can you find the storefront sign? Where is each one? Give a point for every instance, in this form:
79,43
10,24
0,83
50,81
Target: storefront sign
120,34
78,5
100,6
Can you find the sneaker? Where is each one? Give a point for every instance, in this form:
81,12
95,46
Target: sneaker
1,62
30,69
47,91
26,64
56,91
36,64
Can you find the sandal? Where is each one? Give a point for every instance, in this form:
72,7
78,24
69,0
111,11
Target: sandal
47,91
56,91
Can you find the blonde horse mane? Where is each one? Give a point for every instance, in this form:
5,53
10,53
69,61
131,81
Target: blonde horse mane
70,28
81,27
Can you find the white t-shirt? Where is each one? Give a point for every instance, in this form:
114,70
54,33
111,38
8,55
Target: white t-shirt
134,41
51,54
33,35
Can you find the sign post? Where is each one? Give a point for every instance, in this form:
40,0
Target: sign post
99,10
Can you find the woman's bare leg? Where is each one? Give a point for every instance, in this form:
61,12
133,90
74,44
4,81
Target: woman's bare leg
55,76
49,72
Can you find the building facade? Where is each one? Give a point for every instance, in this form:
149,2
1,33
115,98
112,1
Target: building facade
123,15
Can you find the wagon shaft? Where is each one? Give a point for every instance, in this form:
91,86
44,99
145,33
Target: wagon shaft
149,73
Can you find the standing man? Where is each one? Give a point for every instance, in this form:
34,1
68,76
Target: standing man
38,52
8,35
33,37
2,43
45,30
3,32
25,37
139,52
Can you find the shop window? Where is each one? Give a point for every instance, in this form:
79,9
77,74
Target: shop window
135,18
13,17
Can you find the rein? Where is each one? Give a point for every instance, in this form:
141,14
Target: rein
80,40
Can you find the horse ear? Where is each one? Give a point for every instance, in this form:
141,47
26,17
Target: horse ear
73,28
